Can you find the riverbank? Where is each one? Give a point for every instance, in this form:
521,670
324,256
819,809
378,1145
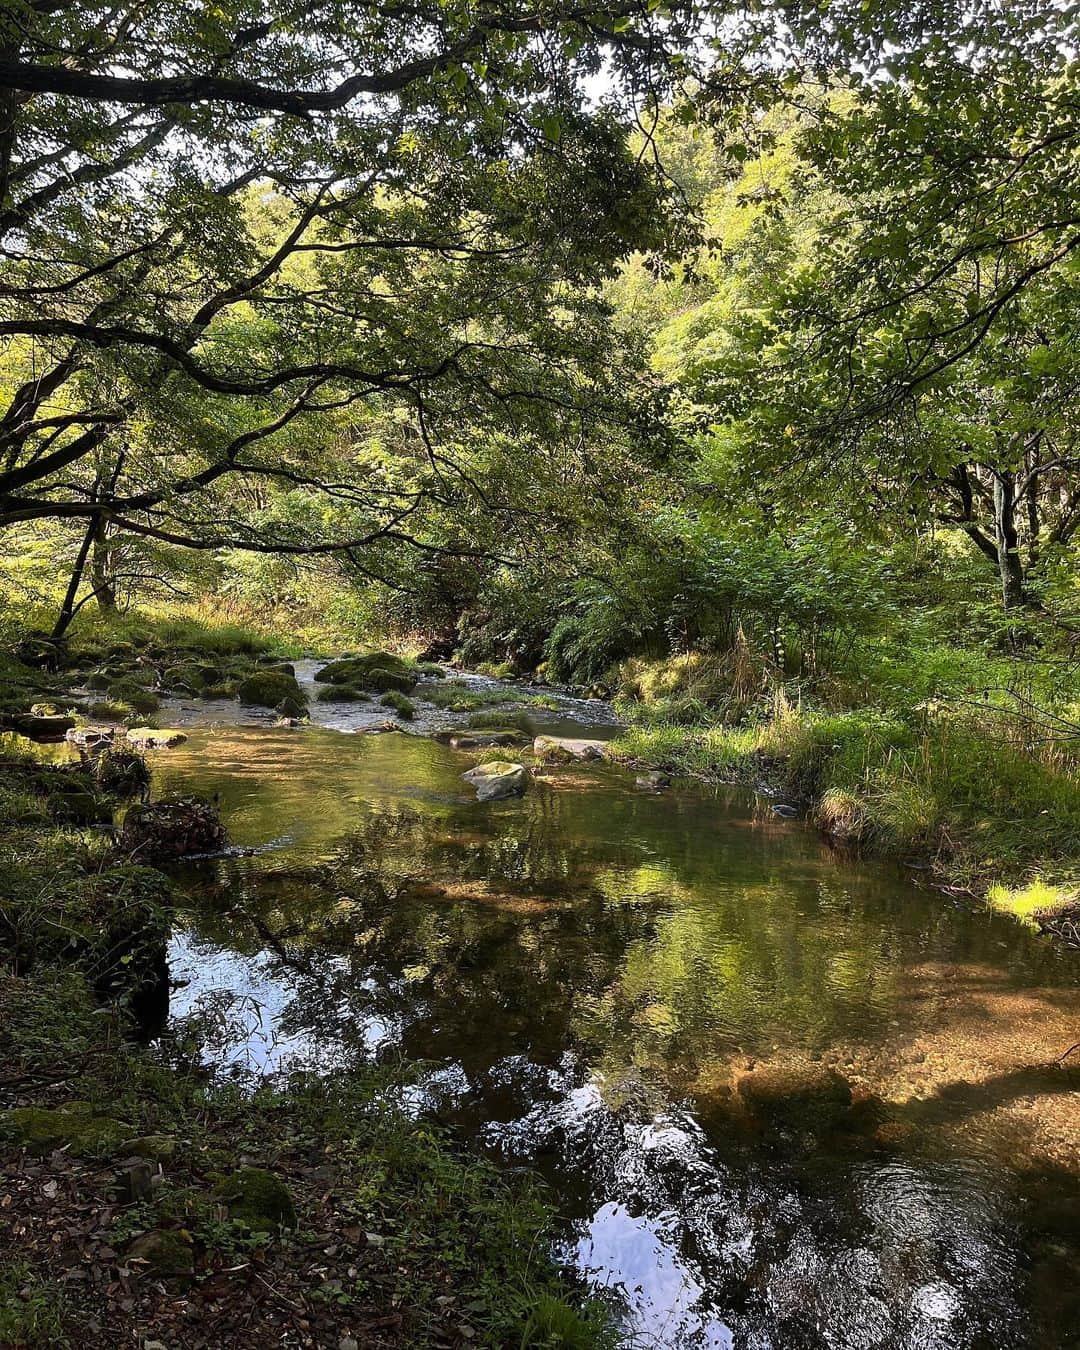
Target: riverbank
148,1198
957,794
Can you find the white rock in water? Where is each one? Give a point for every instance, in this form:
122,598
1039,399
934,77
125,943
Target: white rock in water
500,778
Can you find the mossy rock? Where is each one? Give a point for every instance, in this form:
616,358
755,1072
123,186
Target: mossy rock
137,698
105,676
190,678
223,689
402,706
342,693
378,672
293,708
156,1147
269,689
109,712
121,771
77,1127
430,670
258,1199
168,1254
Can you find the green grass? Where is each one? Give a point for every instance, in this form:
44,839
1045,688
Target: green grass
33,1311
954,789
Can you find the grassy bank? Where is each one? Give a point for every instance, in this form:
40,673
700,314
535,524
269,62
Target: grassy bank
146,1198
990,805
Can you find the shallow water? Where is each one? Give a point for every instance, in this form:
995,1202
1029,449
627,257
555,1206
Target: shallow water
783,1099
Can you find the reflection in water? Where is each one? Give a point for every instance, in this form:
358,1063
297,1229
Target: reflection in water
782,1100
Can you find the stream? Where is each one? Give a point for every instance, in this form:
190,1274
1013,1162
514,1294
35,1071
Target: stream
783,1098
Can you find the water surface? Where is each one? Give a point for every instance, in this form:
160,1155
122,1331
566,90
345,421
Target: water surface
783,1099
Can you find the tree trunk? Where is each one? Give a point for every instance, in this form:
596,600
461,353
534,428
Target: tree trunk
103,568
1010,567
67,609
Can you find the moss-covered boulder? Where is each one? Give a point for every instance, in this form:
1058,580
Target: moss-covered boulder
190,678
269,689
79,1128
175,828
132,693
378,672
258,1199
166,1253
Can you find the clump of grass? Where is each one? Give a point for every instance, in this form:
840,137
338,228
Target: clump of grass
1034,900
33,1311
403,707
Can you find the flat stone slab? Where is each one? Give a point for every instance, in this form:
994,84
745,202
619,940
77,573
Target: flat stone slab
568,747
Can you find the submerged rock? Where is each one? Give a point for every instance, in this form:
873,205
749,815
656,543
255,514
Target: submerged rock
804,1096
501,778
258,1199
568,748
478,740
152,738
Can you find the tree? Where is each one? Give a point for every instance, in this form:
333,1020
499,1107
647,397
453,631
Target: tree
222,283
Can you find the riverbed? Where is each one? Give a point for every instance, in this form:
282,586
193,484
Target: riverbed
783,1098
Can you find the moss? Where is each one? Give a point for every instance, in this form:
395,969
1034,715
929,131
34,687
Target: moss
76,1127
342,693
379,672
403,707
269,688
134,695
258,1199
167,1253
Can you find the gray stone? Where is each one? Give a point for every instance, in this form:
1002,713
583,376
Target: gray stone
497,780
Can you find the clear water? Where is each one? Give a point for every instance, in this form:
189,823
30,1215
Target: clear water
783,1099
